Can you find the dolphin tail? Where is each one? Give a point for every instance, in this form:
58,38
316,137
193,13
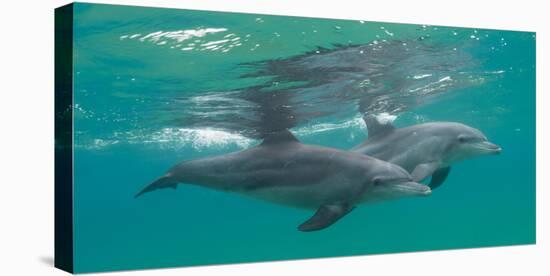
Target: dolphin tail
163,182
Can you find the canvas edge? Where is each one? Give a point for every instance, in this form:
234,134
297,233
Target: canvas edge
64,227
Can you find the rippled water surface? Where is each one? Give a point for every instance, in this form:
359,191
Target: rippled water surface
157,86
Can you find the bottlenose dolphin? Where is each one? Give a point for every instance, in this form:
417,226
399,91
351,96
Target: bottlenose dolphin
424,149
282,170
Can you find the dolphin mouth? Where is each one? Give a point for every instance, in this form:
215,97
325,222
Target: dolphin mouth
413,188
490,148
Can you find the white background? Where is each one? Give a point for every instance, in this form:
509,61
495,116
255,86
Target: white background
26,145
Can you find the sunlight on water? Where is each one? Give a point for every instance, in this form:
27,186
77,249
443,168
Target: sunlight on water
176,39
199,138
385,118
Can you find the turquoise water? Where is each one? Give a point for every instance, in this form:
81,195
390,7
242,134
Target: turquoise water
154,87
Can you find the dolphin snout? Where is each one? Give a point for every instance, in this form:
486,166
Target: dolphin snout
492,148
425,190
414,188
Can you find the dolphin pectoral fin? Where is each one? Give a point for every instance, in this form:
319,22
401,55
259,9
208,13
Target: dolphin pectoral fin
424,170
439,177
325,216
162,182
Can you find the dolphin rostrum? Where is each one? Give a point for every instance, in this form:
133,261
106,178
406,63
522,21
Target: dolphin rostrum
424,149
282,170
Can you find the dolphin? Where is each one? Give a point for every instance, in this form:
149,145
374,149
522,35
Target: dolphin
284,171
425,149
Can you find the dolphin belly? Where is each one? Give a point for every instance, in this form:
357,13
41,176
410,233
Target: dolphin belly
296,196
301,195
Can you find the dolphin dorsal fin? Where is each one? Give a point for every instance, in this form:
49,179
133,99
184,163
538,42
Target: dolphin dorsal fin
375,127
279,137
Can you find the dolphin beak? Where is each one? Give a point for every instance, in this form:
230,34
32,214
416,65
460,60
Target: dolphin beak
414,188
491,148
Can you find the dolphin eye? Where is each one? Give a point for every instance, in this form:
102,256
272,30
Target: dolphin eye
462,139
376,181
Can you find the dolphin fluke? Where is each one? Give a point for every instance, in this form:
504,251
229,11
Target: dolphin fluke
162,182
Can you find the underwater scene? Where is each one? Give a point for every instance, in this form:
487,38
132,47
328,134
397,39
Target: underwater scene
211,138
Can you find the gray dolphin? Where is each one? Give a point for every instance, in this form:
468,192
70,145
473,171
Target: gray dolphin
282,170
425,149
